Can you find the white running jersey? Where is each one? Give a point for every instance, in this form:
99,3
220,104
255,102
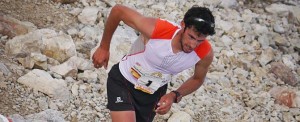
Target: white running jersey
158,55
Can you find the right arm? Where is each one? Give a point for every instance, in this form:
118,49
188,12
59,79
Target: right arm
130,17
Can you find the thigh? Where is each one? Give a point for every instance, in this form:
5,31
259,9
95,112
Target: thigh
122,116
118,95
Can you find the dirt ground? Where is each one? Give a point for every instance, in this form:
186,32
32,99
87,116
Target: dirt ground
43,14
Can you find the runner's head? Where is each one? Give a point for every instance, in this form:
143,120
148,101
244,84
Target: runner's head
201,19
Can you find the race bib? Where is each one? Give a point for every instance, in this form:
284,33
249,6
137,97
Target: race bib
147,81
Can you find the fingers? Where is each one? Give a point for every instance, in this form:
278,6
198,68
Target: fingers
100,58
105,64
99,64
163,107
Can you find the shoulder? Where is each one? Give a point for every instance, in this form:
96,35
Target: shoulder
164,29
204,49
206,61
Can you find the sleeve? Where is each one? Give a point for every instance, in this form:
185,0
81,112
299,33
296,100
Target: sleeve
203,49
163,29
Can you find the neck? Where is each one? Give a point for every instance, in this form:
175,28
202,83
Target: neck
176,42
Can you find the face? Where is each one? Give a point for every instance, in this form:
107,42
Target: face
191,39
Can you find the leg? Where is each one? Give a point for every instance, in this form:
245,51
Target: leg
122,116
119,97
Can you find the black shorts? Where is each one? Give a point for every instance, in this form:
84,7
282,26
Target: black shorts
122,96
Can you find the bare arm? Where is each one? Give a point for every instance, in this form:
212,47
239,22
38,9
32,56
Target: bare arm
132,18
191,85
194,82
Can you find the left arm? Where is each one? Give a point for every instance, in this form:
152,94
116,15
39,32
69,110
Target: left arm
191,85
195,81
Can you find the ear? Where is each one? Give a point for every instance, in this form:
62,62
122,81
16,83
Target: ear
182,24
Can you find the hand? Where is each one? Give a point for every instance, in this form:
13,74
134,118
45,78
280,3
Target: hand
100,58
165,103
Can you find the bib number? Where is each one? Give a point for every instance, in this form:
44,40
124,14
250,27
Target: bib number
148,82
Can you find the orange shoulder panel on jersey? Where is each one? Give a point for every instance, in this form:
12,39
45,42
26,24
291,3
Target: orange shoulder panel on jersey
163,30
203,49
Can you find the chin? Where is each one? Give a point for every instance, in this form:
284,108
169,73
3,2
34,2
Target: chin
185,51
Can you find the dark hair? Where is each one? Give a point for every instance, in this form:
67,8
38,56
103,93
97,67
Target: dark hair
201,19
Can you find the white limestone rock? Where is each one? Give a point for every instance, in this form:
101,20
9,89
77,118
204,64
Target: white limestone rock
88,76
266,56
225,25
43,82
60,47
213,2
4,69
35,59
264,41
278,9
75,11
229,3
28,43
279,29
180,117
65,69
289,61
88,15
47,115
259,29
227,41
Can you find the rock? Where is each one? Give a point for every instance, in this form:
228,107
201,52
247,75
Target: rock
47,115
280,41
259,71
88,76
75,11
28,43
264,41
60,47
226,40
213,2
266,56
279,29
278,9
225,25
295,15
12,27
180,117
81,63
35,60
4,69
297,47
74,89
259,29
71,66
43,82
17,118
160,7
65,69
289,62
229,3
65,1
284,96
284,73
43,104
40,61
88,15
72,31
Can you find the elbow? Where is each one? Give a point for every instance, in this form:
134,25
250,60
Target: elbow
117,8
116,11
